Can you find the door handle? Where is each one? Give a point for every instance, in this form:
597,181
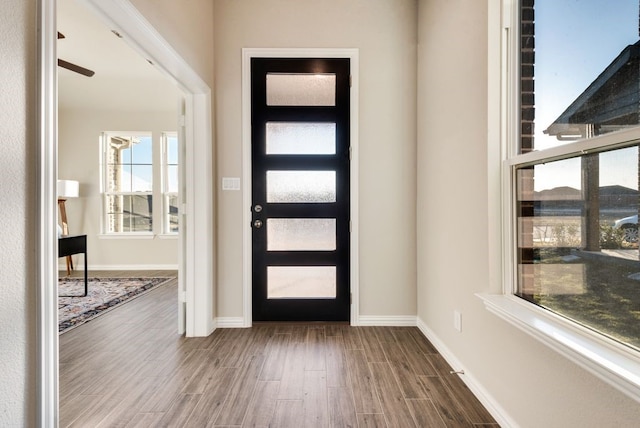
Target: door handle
257,224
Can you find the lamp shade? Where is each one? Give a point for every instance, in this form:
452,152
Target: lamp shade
68,189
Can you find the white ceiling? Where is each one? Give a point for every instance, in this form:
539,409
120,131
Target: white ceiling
123,79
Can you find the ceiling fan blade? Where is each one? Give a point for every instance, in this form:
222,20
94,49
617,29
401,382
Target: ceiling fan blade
75,68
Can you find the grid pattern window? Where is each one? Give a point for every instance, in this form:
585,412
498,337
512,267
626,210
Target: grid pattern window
128,183
170,182
575,174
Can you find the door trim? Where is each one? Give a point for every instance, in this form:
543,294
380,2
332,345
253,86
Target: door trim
198,246
197,203
47,264
247,54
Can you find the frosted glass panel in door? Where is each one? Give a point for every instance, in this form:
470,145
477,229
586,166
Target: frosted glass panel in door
301,234
301,138
301,186
301,89
290,282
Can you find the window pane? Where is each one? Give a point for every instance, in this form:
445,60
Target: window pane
170,185
301,282
114,223
580,70
172,149
301,234
129,164
578,240
172,178
172,213
124,157
114,182
129,213
301,186
301,89
129,178
301,138
128,169
141,150
141,178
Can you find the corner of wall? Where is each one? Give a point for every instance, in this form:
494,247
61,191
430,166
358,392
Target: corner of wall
487,400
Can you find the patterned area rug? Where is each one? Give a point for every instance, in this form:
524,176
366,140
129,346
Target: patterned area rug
104,295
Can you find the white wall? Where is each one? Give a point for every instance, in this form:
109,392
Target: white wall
384,31
79,159
534,385
19,219
187,26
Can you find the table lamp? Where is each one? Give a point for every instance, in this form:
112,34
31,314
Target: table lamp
66,189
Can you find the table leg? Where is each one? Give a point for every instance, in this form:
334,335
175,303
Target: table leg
69,267
86,280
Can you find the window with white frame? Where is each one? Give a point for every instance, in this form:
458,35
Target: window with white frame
571,188
170,182
577,205
127,183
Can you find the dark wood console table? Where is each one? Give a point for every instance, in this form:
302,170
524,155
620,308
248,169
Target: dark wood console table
75,244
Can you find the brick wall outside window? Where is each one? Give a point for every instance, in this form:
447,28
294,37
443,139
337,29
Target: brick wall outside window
526,253
527,60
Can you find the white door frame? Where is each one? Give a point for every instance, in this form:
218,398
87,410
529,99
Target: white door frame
197,236
247,54
197,203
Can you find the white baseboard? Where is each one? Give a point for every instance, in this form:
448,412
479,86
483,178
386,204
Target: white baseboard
367,320
386,320
229,322
80,266
210,328
487,400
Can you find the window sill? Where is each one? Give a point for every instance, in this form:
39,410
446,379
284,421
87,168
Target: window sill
612,362
168,236
132,235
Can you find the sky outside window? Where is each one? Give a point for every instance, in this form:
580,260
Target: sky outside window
137,163
172,163
574,42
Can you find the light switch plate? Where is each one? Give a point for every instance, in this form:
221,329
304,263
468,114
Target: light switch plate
230,183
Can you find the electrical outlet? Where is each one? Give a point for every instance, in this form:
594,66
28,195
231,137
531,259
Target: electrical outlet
457,321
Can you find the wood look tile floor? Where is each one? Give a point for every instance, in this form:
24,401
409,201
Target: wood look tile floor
129,368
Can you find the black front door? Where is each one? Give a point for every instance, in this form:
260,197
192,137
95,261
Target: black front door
300,181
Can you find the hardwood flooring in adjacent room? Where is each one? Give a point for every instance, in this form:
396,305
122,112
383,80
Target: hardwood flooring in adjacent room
129,368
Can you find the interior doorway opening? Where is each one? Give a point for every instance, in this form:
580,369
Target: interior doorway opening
197,237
